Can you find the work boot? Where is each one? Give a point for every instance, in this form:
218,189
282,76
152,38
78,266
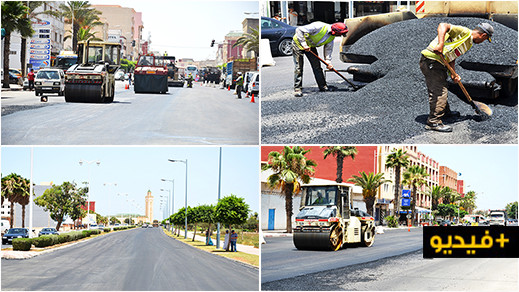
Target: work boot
324,88
298,92
439,127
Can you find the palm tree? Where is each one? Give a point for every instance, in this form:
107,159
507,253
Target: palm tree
340,152
414,177
290,168
13,19
250,41
77,13
16,189
398,159
84,34
369,183
468,201
436,193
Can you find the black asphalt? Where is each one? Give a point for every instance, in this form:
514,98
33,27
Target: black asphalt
133,260
281,260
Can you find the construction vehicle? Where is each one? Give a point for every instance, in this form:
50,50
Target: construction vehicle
150,75
240,65
327,221
65,60
92,78
174,78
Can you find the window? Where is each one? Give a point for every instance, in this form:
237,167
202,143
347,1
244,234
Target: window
321,196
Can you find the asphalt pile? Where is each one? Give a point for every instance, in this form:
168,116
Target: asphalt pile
394,107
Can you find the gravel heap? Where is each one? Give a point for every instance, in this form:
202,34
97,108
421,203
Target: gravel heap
394,108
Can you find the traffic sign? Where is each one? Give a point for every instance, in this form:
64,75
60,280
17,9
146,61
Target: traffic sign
406,202
406,193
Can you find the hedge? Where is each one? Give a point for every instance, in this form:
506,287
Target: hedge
107,229
45,240
22,244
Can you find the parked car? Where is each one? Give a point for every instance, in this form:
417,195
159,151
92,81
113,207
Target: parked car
144,226
14,233
49,81
93,226
246,79
253,86
13,78
445,223
5,225
119,75
279,34
101,226
48,231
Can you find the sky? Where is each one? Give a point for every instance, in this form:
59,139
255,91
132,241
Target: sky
136,170
185,28
489,170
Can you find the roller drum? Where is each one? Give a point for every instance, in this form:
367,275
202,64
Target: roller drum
313,240
84,92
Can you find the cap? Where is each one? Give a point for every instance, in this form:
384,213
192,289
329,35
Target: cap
339,28
488,29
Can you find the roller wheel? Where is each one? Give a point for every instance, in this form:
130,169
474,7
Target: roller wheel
368,237
336,238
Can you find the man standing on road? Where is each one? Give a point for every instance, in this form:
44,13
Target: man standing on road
452,41
239,84
30,78
307,38
234,238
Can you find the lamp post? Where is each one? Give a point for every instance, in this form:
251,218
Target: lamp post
110,184
219,188
165,202
126,195
185,162
172,194
168,210
89,178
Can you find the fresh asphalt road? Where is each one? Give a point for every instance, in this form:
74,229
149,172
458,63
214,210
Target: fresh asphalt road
184,116
134,260
280,259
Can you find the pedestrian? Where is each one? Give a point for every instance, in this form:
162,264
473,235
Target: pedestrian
278,17
307,38
452,41
239,84
234,238
292,16
226,240
30,78
130,78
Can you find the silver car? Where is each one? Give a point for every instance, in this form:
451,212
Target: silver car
49,81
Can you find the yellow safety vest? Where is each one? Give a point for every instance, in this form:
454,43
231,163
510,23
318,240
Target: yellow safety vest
313,40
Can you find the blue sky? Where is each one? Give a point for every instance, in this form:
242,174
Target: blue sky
185,28
139,169
489,170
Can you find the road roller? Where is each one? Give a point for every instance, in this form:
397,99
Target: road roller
326,220
150,75
92,78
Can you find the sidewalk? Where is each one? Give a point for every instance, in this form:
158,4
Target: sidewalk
240,247
13,87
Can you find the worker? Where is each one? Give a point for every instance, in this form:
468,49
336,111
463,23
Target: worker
452,41
239,84
306,39
319,200
190,81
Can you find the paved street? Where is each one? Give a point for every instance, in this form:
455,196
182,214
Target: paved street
375,114
198,115
280,259
139,259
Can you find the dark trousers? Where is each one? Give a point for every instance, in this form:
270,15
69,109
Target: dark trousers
297,55
239,88
31,84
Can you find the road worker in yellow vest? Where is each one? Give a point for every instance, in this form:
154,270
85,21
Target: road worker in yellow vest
307,38
452,41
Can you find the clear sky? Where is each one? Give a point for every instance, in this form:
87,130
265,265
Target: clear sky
489,170
185,28
139,169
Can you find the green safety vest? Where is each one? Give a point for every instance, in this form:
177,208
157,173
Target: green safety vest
313,40
453,47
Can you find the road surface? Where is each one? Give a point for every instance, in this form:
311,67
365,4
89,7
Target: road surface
142,259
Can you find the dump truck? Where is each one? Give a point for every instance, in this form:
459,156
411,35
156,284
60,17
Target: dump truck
92,78
174,77
327,221
150,75
239,65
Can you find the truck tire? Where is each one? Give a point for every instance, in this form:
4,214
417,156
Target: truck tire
336,237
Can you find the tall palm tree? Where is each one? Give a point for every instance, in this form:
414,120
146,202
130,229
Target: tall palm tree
468,201
13,19
77,13
436,193
369,183
414,177
291,168
16,189
250,41
340,152
398,159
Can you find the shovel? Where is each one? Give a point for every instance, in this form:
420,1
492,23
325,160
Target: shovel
355,87
481,109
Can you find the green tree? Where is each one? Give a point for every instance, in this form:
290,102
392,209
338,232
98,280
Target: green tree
447,210
231,210
207,215
61,200
249,41
414,177
252,222
511,210
370,184
194,217
78,14
468,201
16,189
14,19
340,153
291,168
115,220
177,219
438,192
398,159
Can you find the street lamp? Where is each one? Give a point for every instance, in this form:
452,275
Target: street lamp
166,202
89,178
110,184
126,195
172,194
185,162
